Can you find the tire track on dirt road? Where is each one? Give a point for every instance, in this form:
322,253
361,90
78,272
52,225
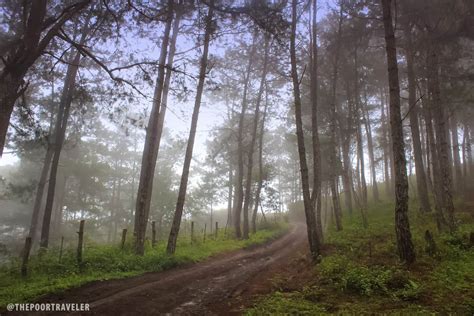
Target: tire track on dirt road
191,289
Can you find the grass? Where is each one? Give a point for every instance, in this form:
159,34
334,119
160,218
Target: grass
48,275
360,272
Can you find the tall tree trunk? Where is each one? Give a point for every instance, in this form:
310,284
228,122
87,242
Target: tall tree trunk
386,167
235,199
357,170
441,129
423,142
230,195
312,231
260,166
428,161
169,72
459,182
469,160
360,156
60,133
58,207
150,151
467,155
248,184
316,194
112,206
347,175
345,140
240,147
119,209
425,114
333,157
450,146
421,183
402,227
134,176
370,147
36,217
360,141
437,186
173,237
389,152
361,207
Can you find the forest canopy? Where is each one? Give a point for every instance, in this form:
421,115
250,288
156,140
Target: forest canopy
152,121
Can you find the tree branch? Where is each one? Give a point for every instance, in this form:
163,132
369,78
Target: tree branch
412,106
85,52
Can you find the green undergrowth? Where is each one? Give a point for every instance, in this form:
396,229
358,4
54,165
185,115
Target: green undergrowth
46,275
360,272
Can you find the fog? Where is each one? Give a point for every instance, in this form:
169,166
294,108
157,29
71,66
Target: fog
179,113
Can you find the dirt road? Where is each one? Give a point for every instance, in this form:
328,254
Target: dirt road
222,285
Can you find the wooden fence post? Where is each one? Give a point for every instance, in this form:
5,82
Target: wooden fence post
124,237
61,249
192,232
217,229
153,234
26,255
80,242
204,238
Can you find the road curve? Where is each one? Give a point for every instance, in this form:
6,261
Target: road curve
193,289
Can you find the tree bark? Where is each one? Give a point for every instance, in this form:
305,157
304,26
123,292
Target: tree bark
60,133
260,167
427,156
240,150
345,140
402,227
248,184
58,206
36,216
230,195
361,164
173,237
370,147
316,194
437,186
150,151
312,231
347,175
333,157
467,154
113,210
386,167
469,160
421,182
360,142
459,183
441,129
